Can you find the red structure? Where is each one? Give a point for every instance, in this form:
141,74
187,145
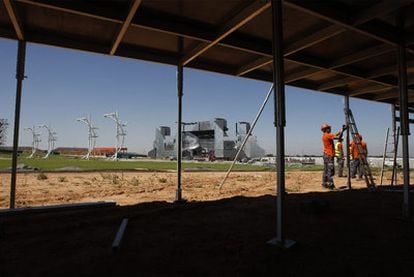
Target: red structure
107,151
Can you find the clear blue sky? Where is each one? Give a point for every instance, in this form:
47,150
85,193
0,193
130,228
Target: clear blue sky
63,85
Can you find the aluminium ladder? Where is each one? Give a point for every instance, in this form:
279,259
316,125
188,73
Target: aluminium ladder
366,171
394,152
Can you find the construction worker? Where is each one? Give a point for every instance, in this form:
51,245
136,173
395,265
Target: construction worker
329,154
339,155
358,150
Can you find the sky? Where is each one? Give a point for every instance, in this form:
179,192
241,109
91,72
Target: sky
63,85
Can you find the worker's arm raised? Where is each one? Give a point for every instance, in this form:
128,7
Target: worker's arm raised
340,132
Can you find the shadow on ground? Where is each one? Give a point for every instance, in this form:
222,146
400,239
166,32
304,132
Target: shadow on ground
338,233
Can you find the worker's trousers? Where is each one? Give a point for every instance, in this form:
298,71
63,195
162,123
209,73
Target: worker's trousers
340,162
328,171
356,168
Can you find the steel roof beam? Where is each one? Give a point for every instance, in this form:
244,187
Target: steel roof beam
336,83
301,74
134,7
362,55
387,95
377,30
382,8
367,90
102,14
312,37
88,9
392,94
387,70
254,45
316,63
11,10
229,27
309,38
315,37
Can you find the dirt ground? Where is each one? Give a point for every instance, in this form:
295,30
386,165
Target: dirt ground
36,189
216,233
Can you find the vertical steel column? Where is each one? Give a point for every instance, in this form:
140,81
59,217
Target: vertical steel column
348,162
405,128
179,122
394,122
280,119
395,136
21,56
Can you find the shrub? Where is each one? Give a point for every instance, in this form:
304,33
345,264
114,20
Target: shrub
62,179
162,180
115,179
134,181
41,176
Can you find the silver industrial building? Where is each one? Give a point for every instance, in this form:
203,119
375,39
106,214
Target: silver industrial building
207,138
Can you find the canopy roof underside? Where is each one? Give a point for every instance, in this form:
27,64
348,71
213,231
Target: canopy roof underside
344,47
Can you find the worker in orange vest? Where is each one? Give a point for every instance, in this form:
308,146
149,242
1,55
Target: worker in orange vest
329,154
358,150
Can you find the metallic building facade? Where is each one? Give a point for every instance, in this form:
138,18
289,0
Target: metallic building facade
206,138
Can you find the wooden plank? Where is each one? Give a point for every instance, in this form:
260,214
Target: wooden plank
120,234
56,208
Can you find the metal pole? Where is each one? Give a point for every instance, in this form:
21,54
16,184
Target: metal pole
395,135
405,128
385,154
247,135
179,123
348,162
280,120
394,162
21,56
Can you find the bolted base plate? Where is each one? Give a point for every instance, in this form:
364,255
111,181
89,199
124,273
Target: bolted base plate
180,201
287,244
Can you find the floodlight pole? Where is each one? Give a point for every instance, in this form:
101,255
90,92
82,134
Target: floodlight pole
120,133
405,128
51,138
91,135
35,140
180,73
21,57
348,162
280,121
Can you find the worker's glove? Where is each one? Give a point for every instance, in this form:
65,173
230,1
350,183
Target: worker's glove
344,127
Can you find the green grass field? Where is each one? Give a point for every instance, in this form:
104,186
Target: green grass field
59,162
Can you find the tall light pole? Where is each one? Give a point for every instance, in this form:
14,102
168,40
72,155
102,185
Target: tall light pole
35,140
51,139
92,135
120,133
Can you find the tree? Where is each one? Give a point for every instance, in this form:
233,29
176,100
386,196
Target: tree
3,129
